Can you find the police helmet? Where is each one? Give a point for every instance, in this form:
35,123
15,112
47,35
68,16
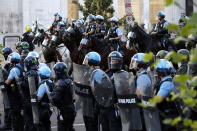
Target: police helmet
82,20
184,52
14,58
28,28
34,54
25,45
56,14
161,54
91,16
45,72
61,70
115,60
114,19
61,24
6,52
79,22
92,59
138,61
99,17
24,54
30,63
59,17
164,66
162,14
42,65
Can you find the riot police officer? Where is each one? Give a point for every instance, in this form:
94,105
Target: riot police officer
165,88
6,103
62,97
100,27
90,113
91,27
30,67
14,82
145,91
183,66
26,37
114,34
160,30
18,47
110,117
44,89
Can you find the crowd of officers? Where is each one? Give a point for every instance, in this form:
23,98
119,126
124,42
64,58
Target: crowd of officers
57,89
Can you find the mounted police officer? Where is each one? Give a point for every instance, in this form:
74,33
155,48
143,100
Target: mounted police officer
6,103
160,30
114,34
62,97
30,67
57,19
80,25
44,90
164,90
182,19
100,27
183,66
26,37
91,27
14,82
145,91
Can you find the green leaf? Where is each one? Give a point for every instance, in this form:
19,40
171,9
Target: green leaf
182,79
167,121
188,29
148,57
187,122
193,56
178,39
174,57
193,82
176,121
173,27
194,125
168,2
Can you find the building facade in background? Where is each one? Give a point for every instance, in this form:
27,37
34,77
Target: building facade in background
16,14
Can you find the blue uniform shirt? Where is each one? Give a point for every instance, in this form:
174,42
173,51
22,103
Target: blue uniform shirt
143,81
14,72
118,31
166,87
42,89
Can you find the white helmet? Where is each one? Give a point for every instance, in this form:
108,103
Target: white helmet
114,19
99,17
79,22
33,54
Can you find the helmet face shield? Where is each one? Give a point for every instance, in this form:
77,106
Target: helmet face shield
85,61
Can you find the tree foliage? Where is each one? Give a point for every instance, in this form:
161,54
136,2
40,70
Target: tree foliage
187,84
97,7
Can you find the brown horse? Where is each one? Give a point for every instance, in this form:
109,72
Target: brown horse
104,48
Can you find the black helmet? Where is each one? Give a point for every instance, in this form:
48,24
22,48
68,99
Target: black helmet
6,52
30,63
115,60
25,45
24,54
61,70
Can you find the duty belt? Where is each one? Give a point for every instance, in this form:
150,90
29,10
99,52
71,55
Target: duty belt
130,99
